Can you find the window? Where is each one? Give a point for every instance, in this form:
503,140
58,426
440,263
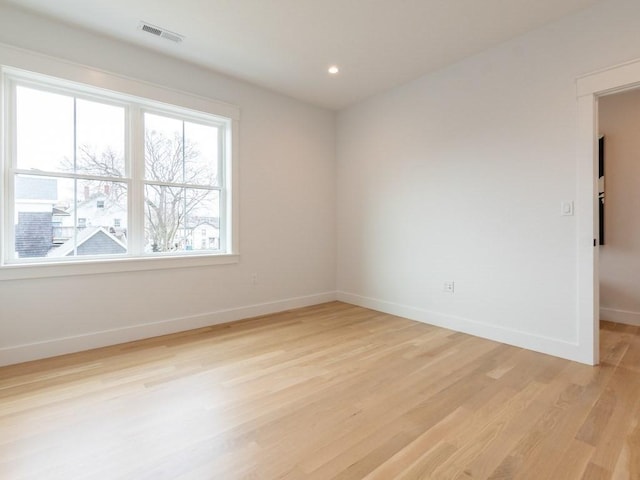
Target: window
94,174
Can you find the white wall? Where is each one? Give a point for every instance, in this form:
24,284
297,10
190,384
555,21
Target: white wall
619,122
459,176
287,229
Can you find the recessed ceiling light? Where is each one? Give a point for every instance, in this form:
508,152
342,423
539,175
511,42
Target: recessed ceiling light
333,70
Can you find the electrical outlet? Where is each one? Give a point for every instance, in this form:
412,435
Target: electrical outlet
449,287
254,278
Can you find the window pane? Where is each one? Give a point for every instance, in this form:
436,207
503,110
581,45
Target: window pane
180,152
100,139
44,130
41,207
163,149
202,159
98,206
202,220
175,219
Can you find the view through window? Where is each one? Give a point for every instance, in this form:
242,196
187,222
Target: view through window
99,175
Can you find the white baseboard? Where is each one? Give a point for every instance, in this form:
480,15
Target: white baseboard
620,316
537,343
60,346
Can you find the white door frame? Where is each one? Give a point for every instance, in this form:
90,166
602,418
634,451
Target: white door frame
589,89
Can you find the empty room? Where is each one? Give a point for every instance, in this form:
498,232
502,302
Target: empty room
357,239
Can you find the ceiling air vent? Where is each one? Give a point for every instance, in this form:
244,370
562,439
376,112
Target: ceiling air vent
160,32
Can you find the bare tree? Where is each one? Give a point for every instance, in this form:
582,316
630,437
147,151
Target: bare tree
107,163
168,160
167,208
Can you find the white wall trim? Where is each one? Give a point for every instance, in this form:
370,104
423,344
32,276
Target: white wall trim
24,65
620,316
59,68
611,79
550,346
587,229
60,346
112,265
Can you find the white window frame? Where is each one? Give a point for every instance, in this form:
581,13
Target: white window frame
106,87
222,166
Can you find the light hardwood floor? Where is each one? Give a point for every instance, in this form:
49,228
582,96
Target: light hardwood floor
327,392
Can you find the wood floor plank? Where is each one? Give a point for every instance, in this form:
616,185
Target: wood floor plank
410,456
332,391
595,472
622,397
574,461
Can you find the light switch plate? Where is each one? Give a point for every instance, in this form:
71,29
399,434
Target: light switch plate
566,209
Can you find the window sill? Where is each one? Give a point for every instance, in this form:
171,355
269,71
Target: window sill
94,267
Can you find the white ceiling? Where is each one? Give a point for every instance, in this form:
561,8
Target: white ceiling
287,45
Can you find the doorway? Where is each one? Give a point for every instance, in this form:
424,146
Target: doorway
590,88
619,254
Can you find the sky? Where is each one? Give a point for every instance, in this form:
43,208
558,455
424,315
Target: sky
45,137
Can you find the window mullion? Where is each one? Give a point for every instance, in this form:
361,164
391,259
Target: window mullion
135,166
75,181
183,185
78,176
225,237
7,174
